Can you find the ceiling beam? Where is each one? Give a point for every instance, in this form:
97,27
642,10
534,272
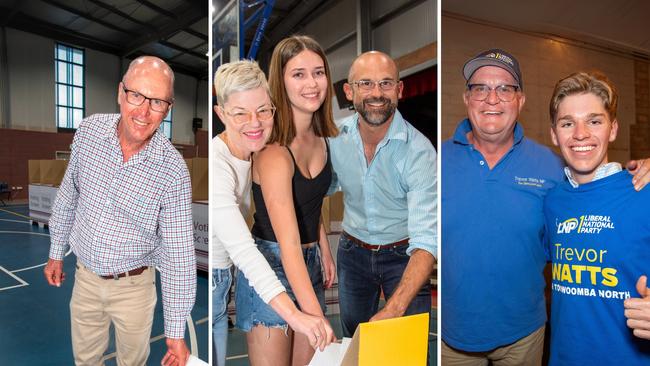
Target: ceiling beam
124,15
184,50
33,25
158,9
82,14
196,34
184,20
15,9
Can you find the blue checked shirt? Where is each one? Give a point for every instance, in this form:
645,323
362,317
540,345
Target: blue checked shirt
120,216
393,197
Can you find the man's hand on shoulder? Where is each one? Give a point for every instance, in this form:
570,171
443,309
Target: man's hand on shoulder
177,353
54,272
641,171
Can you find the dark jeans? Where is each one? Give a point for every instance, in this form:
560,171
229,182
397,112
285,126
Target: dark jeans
363,274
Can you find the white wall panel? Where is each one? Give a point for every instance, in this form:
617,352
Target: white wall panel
31,81
410,31
31,87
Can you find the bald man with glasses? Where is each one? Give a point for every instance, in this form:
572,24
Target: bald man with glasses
387,171
124,207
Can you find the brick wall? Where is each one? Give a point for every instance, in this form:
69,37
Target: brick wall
19,146
543,62
640,131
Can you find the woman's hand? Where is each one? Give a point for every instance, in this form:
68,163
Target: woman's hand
317,329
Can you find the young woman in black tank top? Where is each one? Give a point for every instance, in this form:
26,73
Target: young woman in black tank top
290,179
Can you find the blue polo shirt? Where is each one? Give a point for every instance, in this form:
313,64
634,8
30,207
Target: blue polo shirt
492,241
393,197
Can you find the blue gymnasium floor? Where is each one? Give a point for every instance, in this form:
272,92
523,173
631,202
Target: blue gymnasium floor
35,317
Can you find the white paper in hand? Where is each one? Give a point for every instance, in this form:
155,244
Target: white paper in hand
194,361
332,355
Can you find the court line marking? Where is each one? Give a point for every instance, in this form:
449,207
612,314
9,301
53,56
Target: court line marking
39,265
237,357
15,213
19,221
31,233
22,232
20,280
190,322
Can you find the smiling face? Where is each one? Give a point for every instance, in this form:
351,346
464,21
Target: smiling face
153,79
306,82
376,106
492,119
246,138
583,130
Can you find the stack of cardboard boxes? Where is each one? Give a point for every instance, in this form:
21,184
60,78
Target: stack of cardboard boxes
45,176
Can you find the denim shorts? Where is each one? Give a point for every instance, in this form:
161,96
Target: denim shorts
252,310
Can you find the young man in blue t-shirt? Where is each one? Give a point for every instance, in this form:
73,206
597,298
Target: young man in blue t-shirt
599,234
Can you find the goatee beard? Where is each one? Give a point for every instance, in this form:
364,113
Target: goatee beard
379,116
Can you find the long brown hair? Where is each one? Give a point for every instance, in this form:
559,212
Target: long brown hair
284,130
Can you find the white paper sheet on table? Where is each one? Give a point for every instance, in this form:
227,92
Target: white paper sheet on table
332,355
194,361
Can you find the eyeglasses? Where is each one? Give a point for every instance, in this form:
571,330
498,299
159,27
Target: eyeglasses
263,114
480,92
135,98
368,85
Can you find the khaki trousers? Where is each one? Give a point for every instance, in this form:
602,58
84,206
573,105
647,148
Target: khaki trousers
525,352
128,303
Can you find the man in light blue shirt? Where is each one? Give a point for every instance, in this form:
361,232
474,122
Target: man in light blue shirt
387,171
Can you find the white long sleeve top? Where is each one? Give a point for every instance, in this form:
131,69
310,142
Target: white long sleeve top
230,202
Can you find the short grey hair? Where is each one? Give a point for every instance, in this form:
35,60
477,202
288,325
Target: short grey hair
236,77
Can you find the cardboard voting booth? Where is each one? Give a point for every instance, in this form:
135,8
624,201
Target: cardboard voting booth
399,341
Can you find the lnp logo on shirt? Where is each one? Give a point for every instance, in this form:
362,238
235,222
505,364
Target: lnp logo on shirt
585,224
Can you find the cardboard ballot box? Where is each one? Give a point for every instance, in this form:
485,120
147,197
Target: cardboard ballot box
198,168
399,341
46,172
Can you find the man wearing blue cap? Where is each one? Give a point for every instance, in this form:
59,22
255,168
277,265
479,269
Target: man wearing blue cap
493,186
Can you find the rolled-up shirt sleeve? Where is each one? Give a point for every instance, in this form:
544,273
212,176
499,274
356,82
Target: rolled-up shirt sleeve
422,198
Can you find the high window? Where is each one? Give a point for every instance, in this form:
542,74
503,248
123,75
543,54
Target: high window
69,85
166,125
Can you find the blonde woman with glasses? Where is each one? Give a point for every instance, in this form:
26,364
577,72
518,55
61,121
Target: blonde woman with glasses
246,110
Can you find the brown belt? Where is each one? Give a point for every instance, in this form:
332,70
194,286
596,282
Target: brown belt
365,245
133,272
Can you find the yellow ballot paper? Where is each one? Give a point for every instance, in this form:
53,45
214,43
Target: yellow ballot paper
399,341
